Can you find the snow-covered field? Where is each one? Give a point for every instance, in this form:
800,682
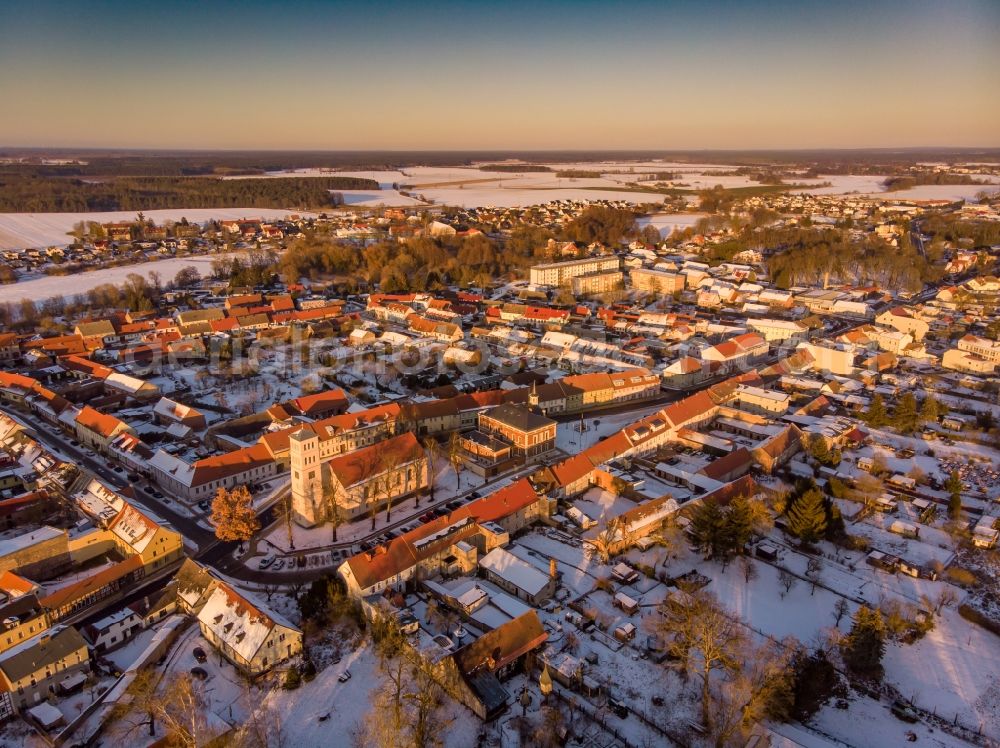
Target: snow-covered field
46,287
871,185
374,198
940,192
25,230
468,186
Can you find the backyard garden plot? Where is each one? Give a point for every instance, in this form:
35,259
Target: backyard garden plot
952,671
765,606
346,706
870,723
847,573
924,551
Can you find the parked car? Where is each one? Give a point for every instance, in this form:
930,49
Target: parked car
265,562
199,654
278,564
345,676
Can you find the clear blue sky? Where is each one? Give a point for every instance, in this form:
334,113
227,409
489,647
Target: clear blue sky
332,75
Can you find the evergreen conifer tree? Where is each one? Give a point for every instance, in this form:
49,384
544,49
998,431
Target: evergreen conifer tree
864,646
904,416
876,415
708,528
807,516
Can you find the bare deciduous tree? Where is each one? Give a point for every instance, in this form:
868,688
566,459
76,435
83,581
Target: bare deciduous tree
840,609
433,448
704,639
813,568
786,580
456,457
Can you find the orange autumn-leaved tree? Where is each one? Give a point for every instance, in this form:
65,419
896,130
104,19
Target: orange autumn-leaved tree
233,514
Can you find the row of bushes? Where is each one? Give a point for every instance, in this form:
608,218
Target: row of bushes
979,618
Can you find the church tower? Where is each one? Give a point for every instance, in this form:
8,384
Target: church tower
533,396
308,508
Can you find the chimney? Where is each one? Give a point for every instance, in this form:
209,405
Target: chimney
553,571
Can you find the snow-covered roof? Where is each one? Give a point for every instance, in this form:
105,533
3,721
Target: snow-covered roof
125,383
511,569
175,467
241,622
99,501
28,539
135,528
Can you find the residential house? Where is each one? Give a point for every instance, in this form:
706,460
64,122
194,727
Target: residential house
249,635
33,670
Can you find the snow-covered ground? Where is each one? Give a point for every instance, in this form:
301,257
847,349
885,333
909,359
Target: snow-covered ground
374,198
47,286
24,230
346,706
870,723
939,192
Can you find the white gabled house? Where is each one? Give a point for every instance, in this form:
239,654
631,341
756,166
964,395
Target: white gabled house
249,635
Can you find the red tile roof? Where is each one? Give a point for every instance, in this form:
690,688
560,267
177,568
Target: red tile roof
84,587
97,422
356,467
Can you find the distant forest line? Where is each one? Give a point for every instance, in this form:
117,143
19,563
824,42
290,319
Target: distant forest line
201,163
25,193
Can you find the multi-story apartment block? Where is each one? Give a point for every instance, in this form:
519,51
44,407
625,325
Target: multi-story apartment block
656,281
558,273
594,283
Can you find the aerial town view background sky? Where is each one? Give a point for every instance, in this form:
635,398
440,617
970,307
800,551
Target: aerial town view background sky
508,75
